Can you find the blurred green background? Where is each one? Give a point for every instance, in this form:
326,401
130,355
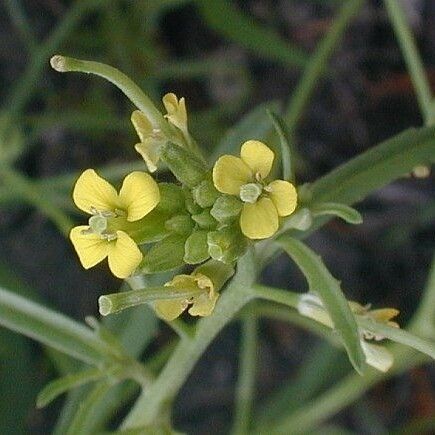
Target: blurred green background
230,60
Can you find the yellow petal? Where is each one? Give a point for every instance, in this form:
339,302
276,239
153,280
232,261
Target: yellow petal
230,173
176,109
203,305
141,124
139,195
377,356
124,255
283,195
384,315
92,191
258,156
91,248
259,220
171,309
149,150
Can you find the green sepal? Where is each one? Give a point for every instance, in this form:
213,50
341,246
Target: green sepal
205,194
227,244
181,224
191,206
186,167
217,271
196,248
205,220
301,220
226,208
149,229
171,198
165,255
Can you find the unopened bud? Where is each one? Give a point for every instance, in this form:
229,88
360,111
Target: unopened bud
181,224
205,220
226,244
205,194
226,208
196,248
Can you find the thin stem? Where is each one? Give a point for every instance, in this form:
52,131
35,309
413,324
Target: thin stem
27,190
412,58
116,302
245,388
318,62
26,85
285,297
120,80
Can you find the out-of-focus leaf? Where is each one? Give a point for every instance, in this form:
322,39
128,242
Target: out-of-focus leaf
68,382
229,21
320,281
343,211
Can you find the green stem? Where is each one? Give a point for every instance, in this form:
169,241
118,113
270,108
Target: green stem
120,80
27,190
26,85
245,388
318,62
185,356
412,58
285,297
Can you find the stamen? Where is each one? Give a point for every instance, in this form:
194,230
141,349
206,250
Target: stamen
250,192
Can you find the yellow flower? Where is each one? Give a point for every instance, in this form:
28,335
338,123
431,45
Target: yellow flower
176,111
151,139
111,213
198,291
245,177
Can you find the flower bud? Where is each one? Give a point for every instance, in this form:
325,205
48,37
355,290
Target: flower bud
186,167
165,255
205,194
191,206
226,244
181,224
171,198
196,248
205,220
226,208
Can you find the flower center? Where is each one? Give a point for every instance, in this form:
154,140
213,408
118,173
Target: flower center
103,223
250,192
98,224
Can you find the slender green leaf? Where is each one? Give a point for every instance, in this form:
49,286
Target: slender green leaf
399,335
322,282
286,151
369,171
68,382
343,211
51,328
254,125
225,18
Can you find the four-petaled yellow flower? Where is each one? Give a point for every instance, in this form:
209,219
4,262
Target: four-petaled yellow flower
111,213
245,177
200,294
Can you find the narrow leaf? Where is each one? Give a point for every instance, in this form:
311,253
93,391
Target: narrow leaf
224,17
286,149
399,336
54,389
51,328
322,282
343,211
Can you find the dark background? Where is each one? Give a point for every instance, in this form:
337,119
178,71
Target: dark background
71,122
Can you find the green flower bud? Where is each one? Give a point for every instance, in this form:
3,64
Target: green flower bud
181,224
205,220
226,244
226,208
186,167
171,198
149,229
165,255
190,204
196,248
205,194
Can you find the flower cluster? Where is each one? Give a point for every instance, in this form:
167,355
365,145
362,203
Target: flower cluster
208,214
